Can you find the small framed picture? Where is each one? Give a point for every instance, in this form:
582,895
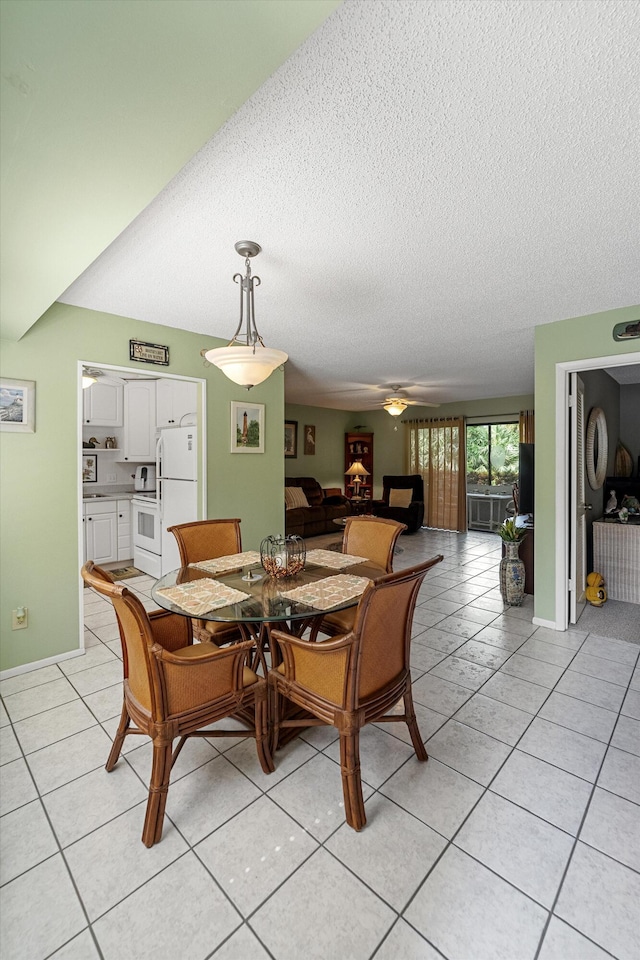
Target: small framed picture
291,438
247,427
18,406
309,440
90,469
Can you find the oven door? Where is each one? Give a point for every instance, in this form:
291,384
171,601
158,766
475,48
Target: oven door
147,532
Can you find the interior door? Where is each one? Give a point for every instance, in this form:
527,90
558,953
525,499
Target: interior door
577,506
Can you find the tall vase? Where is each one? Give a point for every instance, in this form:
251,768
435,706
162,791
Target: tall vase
512,576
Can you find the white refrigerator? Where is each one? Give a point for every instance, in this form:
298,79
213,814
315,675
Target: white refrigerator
177,486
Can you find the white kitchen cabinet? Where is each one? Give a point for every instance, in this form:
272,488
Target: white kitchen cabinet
100,532
102,404
140,421
175,399
125,547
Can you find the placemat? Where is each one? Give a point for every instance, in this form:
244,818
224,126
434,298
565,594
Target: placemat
329,558
329,592
231,562
201,596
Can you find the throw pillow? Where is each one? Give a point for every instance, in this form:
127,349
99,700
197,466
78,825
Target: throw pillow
400,498
295,497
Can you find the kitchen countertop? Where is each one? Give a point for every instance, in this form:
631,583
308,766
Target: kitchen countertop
88,496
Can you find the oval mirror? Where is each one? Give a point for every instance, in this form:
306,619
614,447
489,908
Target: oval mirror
597,448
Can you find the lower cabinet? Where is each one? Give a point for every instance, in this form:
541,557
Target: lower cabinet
125,547
100,532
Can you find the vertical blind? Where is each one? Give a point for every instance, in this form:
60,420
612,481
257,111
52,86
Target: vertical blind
435,449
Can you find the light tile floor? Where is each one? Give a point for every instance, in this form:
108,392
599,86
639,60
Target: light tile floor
520,838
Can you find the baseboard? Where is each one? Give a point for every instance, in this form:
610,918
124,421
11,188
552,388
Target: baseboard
38,664
551,624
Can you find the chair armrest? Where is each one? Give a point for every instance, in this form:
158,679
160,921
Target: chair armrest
199,674
318,667
334,499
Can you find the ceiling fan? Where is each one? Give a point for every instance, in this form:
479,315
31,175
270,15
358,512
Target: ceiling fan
398,402
91,374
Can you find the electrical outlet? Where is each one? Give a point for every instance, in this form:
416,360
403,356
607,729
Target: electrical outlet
112,477
20,618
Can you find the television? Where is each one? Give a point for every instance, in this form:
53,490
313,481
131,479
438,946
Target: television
525,483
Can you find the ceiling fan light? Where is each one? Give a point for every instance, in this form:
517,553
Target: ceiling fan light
87,380
395,407
246,366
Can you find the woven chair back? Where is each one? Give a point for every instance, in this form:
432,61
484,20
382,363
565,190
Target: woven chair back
383,623
372,537
207,539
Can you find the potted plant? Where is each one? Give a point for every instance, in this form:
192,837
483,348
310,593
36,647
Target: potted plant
510,533
511,566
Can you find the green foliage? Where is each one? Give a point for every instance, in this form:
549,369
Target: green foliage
502,439
510,533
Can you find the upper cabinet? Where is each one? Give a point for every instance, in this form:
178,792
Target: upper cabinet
140,420
102,404
174,400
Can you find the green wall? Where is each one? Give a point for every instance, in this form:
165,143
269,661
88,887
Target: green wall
579,338
39,563
327,464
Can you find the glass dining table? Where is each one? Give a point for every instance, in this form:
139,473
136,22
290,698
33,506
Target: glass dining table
245,595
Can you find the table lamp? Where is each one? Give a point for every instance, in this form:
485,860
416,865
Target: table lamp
357,471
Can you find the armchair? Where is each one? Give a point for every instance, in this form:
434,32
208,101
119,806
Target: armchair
402,500
354,679
174,688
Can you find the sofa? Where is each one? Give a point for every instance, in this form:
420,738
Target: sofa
318,514
402,500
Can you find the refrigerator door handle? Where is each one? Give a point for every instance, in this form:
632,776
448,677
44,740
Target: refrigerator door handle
159,473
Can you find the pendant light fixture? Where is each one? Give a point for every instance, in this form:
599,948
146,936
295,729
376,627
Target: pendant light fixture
245,359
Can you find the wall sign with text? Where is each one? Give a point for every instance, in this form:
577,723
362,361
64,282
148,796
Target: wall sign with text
149,352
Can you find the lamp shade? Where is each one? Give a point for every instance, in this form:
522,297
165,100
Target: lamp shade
357,470
246,366
395,407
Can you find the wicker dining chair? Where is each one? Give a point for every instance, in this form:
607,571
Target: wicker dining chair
371,537
173,688
353,679
207,540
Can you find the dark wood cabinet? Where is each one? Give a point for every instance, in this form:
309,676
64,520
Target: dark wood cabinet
358,446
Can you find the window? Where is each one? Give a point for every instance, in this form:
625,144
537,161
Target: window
492,454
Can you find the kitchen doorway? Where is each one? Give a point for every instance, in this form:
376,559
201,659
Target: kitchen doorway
122,413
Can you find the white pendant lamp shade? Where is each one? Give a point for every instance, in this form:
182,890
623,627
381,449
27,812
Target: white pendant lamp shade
246,366
395,407
245,360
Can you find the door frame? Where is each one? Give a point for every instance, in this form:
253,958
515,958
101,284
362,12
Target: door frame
202,445
562,503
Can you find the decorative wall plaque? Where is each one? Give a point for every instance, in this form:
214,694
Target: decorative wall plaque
149,352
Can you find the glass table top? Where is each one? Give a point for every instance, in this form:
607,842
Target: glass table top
265,602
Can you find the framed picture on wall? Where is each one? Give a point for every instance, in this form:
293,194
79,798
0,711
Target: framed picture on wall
247,427
90,469
309,440
291,438
18,406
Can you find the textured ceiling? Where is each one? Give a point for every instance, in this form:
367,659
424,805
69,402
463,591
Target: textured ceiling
102,102
428,180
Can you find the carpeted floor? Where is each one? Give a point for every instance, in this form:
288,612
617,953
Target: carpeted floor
615,621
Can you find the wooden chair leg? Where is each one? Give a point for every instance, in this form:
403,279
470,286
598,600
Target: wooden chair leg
412,724
118,740
351,780
262,735
274,711
158,789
